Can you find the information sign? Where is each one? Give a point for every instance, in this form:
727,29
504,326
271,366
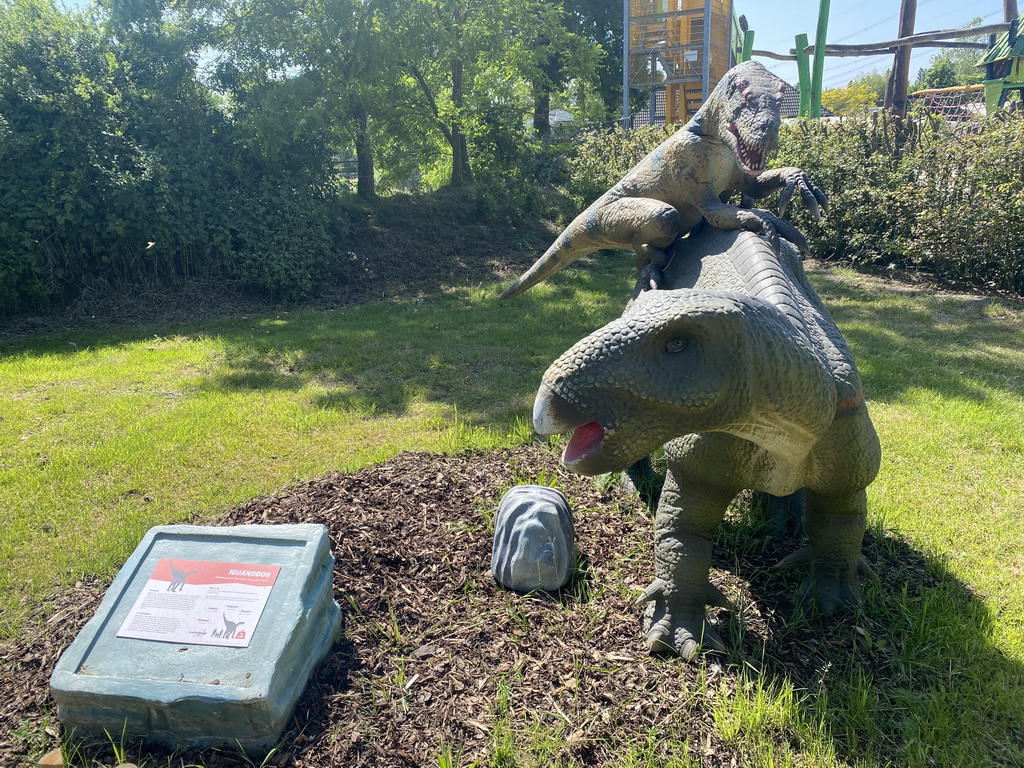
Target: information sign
201,602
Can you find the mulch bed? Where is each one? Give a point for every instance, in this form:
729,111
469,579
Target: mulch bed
435,655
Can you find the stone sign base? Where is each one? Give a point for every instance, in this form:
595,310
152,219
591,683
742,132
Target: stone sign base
236,682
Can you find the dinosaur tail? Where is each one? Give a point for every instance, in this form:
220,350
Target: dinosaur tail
575,242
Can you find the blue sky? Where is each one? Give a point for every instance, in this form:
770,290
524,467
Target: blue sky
777,22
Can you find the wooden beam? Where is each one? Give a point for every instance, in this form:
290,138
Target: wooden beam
864,50
915,40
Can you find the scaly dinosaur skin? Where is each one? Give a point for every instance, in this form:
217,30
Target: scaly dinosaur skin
723,149
738,370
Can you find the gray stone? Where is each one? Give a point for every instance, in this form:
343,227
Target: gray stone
204,695
534,540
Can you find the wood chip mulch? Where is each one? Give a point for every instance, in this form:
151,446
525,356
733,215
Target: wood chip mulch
435,656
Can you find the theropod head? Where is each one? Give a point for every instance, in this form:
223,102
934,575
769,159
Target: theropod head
744,112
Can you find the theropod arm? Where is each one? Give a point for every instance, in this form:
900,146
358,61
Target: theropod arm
789,180
761,222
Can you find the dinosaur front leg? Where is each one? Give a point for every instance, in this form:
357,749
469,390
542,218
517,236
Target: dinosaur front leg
683,534
761,222
835,528
790,180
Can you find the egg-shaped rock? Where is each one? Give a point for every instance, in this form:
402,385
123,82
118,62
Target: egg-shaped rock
534,540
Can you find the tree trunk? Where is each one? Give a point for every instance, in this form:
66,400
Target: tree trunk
542,109
365,183
462,172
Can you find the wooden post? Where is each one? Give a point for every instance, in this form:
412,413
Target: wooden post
1009,10
819,58
626,122
803,68
748,45
899,78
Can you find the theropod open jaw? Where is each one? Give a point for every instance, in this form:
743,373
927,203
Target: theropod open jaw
753,160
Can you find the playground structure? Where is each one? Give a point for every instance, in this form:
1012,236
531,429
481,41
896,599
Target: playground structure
676,51
1004,67
954,104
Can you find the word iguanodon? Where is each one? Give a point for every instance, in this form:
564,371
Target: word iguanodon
738,370
723,149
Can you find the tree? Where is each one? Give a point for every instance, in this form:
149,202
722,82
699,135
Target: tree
461,58
875,82
952,66
321,59
570,50
852,99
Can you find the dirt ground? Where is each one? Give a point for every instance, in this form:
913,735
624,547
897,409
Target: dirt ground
434,654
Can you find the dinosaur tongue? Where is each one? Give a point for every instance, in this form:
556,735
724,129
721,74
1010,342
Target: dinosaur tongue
584,440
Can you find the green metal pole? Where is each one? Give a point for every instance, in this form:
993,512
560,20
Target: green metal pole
819,58
803,68
748,45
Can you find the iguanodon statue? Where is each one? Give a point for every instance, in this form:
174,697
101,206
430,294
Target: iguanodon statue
722,150
739,371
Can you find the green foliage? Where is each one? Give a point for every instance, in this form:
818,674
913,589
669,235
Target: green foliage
117,169
952,66
867,169
852,99
971,227
875,82
918,194
602,157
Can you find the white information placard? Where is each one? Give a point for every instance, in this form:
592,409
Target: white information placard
201,602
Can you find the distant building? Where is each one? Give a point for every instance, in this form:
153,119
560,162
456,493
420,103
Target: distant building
790,108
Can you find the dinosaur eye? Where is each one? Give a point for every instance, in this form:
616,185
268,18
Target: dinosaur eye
674,346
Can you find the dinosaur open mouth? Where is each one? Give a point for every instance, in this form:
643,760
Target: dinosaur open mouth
751,159
584,440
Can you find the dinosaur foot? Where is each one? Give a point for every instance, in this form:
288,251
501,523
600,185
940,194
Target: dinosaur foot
674,626
650,264
830,585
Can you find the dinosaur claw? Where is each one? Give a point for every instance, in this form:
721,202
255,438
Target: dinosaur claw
802,556
716,597
864,568
655,590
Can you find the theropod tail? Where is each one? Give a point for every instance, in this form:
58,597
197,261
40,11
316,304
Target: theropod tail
575,242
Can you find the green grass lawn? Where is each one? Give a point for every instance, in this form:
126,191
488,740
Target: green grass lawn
105,435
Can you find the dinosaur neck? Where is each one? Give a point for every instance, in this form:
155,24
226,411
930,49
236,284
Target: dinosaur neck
794,396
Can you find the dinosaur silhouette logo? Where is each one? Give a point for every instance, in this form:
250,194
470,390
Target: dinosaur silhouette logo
178,578
230,627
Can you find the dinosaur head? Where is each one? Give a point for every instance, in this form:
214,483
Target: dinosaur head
675,363
744,112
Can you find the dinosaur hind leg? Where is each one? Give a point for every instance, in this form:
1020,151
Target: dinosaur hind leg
835,528
684,529
649,226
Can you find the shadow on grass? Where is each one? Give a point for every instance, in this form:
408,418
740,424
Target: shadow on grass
465,349
906,339
910,678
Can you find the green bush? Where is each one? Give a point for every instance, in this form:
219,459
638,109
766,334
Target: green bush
970,223
916,193
117,169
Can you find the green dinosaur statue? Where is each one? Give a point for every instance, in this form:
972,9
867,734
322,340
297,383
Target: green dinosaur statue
723,149
738,370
